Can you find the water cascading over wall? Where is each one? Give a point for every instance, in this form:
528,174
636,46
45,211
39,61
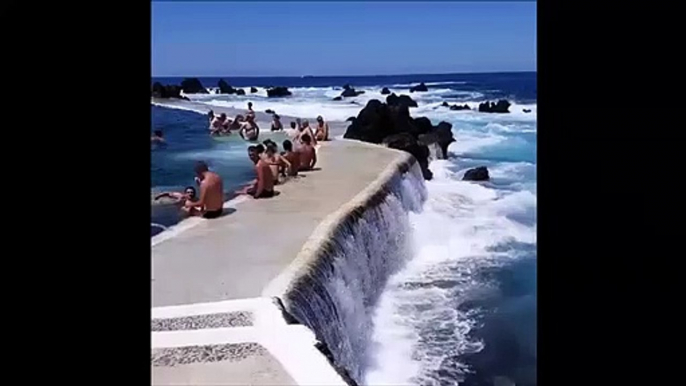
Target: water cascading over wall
336,294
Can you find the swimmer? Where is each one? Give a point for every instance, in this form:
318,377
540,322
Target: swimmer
218,124
211,202
249,129
308,155
157,137
250,111
189,194
276,123
293,157
322,132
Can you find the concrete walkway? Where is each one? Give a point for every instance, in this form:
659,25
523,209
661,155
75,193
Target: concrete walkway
238,255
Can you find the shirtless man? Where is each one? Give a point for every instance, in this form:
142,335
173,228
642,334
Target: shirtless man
249,129
218,124
322,132
277,164
250,110
293,158
308,155
157,137
306,130
211,200
264,185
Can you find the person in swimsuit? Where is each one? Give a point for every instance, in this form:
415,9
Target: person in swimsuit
322,132
189,194
263,187
211,202
276,123
306,130
308,154
277,164
249,129
293,157
157,137
250,110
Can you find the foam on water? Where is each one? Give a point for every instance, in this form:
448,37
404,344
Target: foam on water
338,295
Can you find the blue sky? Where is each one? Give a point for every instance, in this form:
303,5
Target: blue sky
347,38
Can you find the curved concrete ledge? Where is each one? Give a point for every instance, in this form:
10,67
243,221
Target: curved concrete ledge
320,240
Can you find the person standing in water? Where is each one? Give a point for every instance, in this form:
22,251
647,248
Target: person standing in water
276,123
250,110
322,132
249,129
211,202
181,198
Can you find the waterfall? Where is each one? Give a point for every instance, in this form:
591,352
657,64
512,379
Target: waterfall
337,296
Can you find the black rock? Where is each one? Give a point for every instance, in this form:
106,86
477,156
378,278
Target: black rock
193,86
419,87
460,107
526,110
408,143
269,111
240,91
350,92
253,90
403,100
225,88
338,98
477,174
351,119
278,92
445,104
502,106
170,91
385,91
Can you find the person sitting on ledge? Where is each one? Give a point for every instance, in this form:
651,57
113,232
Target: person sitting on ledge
305,129
322,132
293,157
211,202
308,155
277,164
157,137
263,187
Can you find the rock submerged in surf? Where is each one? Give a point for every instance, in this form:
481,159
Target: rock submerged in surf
193,86
350,92
419,88
240,91
225,88
280,91
166,92
392,125
477,174
253,90
338,98
385,91
502,106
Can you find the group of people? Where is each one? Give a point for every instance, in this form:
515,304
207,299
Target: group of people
271,168
245,126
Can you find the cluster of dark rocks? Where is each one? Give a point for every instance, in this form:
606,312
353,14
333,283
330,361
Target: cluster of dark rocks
194,86
348,91
502,106
456,106
419,88
390,123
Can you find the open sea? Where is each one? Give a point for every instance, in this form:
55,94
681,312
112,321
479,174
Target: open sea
463,309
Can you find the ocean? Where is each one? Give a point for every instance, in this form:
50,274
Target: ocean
463,309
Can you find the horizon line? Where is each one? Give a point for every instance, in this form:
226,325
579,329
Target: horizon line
338,76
